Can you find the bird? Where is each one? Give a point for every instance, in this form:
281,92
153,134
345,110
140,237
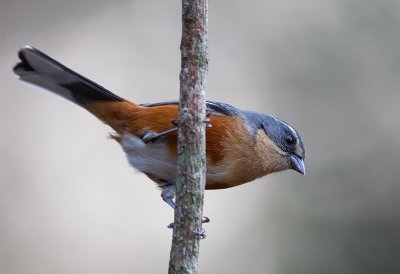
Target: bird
241,145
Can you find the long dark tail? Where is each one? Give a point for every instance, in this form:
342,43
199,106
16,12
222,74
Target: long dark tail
39,69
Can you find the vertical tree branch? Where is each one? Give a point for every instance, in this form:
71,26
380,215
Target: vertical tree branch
191,138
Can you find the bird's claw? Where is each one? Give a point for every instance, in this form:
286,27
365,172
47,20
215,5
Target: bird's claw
201,234
205,219
206,120
208,112
175,122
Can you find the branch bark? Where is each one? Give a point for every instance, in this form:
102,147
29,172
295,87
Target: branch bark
191,168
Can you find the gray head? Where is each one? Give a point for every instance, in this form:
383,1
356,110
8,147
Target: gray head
287,140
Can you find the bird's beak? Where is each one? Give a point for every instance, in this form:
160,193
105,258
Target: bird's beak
297,164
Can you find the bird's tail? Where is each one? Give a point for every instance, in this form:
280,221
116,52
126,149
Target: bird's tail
39,69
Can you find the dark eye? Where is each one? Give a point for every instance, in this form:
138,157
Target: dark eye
290,140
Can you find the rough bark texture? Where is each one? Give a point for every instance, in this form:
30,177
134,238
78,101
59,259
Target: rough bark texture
191,138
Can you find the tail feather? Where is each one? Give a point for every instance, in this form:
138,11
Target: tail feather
39,69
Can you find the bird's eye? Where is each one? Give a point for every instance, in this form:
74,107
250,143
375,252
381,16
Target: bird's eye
289,140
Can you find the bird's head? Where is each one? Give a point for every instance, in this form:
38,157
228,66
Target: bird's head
280,142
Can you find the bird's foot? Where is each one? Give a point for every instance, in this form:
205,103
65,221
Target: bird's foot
152,136
201,234
204,220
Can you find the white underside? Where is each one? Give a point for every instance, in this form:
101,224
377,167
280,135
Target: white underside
152,158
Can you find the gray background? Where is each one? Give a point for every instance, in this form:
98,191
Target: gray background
70,203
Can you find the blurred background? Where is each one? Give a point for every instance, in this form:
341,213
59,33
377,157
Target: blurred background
70,203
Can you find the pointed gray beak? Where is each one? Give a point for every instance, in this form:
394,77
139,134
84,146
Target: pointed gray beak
297,164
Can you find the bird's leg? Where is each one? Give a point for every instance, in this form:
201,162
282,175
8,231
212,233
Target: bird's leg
152,136
168,194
